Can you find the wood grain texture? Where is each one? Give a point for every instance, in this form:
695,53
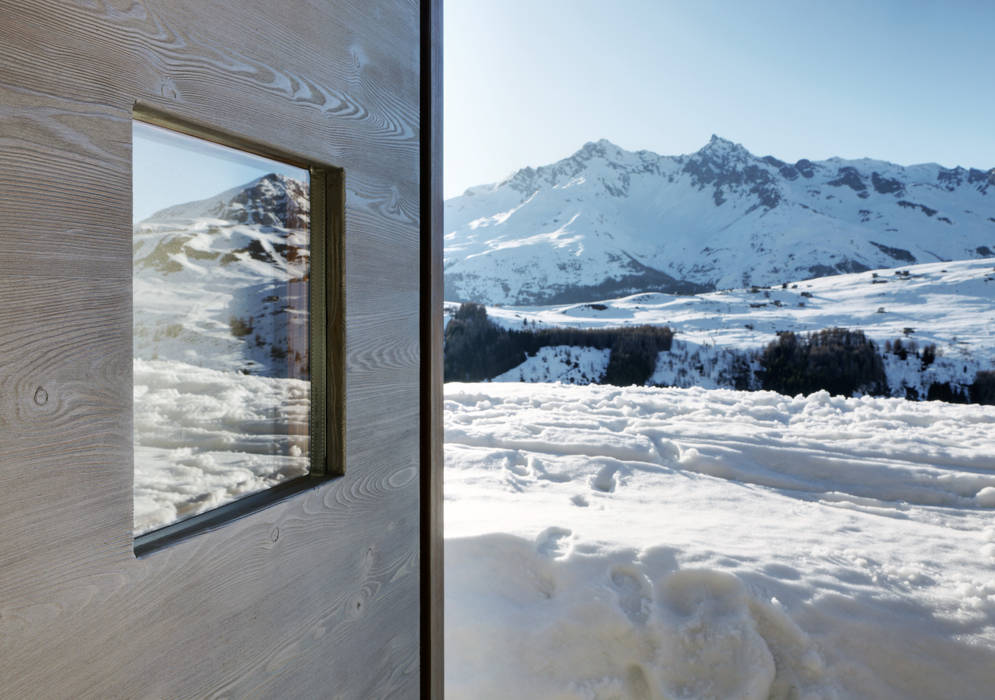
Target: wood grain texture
318,595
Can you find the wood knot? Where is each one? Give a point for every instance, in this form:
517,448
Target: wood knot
275,535
41,396
167,88
356,606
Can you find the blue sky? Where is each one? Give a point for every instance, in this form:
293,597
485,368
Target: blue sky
171,168
529,82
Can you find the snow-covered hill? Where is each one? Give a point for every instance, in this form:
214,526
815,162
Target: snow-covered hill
949,305
684,543
608,222
221,323
222,283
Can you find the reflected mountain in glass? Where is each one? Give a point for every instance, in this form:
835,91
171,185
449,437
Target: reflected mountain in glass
221,329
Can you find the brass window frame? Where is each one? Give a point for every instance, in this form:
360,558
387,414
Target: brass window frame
327,452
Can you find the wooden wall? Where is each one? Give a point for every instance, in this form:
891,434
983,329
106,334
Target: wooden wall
317,596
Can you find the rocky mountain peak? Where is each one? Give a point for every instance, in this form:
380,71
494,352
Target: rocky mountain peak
528,179
272,200
723,150
602,148
605,221
725,166
265,220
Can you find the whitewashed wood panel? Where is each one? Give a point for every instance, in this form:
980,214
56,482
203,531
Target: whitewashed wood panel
318,595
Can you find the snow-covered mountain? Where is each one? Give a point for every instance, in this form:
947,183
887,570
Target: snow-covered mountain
608,222
221,327
222,282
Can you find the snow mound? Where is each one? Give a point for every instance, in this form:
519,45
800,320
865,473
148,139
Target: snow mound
204,437
662,543
614,626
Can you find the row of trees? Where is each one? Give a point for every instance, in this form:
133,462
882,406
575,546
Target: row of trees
845,362
475,348
838,360
981,390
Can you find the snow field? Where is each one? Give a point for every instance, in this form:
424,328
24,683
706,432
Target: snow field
204,437
644,542
560,363
185,314
950,305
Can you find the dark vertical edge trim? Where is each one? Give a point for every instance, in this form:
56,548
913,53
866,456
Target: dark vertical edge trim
431,545
335,326
328,328
318,335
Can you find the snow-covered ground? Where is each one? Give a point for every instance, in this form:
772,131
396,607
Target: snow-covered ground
950,305
204,437
561,363
690,543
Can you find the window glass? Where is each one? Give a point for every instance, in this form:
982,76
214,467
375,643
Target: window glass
221,324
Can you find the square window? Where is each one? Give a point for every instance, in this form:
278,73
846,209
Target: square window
229,308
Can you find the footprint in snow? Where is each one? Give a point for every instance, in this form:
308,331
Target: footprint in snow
782,571
605,480
516,466
637,686
668,451
633,592
552,542
537,467
988,535
710,639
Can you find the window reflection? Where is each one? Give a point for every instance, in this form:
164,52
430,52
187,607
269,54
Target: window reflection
221,324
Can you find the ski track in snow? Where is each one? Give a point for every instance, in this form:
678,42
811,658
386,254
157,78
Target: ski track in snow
606,542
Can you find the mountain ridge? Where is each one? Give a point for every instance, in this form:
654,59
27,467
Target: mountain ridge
222,282
606,221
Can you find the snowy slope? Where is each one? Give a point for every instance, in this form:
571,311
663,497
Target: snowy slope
607,222
221,324
950,305
562,363
221,283
664,543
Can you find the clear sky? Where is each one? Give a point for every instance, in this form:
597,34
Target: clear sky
528,82
171,168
